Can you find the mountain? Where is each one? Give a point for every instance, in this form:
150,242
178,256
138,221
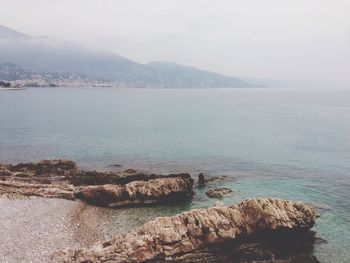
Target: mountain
175,75
13,72
10,71
6,32
51,55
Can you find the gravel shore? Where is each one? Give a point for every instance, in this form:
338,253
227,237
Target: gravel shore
32,229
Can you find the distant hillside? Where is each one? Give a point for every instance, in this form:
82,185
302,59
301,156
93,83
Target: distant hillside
175,75
12,72
6,32
51,55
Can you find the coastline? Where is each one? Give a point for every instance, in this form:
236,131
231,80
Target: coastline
57,224
77,224
32,229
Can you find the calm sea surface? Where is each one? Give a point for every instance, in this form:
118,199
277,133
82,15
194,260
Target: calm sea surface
287,143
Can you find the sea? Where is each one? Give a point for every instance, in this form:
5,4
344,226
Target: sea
267,142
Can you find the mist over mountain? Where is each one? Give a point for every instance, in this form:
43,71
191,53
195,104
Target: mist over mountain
173,74
6,32
53,55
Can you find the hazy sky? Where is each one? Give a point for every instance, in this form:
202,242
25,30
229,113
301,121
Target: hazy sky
290,39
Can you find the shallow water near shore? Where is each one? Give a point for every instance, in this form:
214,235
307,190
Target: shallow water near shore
287,143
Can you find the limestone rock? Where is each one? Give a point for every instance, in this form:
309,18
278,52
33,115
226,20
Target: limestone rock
185,233
138,192
18,189
63,179
81,178
4,171
58,167
66,171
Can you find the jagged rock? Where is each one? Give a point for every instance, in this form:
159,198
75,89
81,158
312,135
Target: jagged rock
121,177
66,171
4,171
63,179
286,246
138,192
218,192
201,179
43,172
185,233
58,167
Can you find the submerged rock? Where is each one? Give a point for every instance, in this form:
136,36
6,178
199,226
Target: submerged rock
168,238
202,180
217,178
116,165
138,192
218,192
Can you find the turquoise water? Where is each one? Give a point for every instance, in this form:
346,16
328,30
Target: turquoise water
288,143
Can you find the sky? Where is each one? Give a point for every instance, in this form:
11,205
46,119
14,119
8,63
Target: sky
271,39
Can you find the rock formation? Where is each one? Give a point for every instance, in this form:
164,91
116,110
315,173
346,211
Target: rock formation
218,192
50,171
18,189
167,238
138,192
201,179
45,172
63,179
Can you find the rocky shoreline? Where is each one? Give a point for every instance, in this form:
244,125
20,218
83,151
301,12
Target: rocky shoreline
167,238
253,230
63,179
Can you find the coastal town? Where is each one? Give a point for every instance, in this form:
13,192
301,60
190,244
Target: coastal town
72,83
13,76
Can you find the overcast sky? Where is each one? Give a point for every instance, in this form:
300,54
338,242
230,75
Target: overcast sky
277,39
